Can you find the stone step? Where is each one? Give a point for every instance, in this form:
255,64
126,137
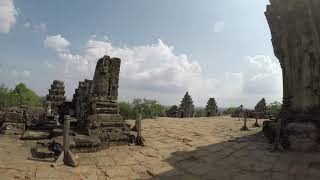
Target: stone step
107,110
107,104
12,128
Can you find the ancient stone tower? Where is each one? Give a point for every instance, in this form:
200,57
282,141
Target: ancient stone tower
211,108
295,28
56,96
95,102
173,111
186,108
261,106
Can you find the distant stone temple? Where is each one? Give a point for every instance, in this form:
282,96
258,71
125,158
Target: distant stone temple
295,29
261,107
173,111
186,108
56,96
211,108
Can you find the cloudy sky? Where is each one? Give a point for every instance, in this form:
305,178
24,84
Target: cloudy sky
211,48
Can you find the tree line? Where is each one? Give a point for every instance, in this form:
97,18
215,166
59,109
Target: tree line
22,95
272,108
19,96
148,108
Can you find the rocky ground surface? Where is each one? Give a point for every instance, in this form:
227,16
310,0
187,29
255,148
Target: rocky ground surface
199,148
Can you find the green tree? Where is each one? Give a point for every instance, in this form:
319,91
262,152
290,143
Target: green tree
26,96
230,110
274,108
126,110
21,95
148,108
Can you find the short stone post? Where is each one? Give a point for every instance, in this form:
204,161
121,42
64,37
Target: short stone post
277,144
244,127
139,138
66,157
240,112
256,124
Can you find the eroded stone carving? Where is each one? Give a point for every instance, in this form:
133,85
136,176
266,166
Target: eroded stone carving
95,103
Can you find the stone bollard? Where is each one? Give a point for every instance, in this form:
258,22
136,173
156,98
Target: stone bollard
66,157
245,127
139,139
256,124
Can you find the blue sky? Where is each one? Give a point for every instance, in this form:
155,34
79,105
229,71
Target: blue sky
211,48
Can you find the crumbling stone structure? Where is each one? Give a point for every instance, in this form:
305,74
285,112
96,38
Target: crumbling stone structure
96,106
261,106
211,108
295,28
13,121
186,108
56,96
173,111
80,102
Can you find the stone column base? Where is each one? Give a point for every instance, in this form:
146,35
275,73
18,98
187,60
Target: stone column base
303,136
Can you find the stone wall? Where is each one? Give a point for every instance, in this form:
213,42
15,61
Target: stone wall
295,28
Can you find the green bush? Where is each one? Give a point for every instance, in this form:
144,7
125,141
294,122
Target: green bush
230,110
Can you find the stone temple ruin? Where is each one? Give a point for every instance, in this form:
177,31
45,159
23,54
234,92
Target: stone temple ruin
93,114
173,111
95,103
261,109
295,29
186,108
211,108
56,96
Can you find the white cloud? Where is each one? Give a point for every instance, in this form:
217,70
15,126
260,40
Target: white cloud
106,38
8,14
262,78
26,73
156,71
39,27
146,70
36,27
57,42
49,65
20,74
27,25
218,26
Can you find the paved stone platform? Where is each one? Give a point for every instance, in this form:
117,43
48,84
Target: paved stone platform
198,148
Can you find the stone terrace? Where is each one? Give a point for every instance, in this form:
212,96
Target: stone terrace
202,148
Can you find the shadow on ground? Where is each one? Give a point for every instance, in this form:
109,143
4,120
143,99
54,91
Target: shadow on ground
247,157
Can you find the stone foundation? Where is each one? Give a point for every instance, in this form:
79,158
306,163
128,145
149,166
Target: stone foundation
303,136
10,128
